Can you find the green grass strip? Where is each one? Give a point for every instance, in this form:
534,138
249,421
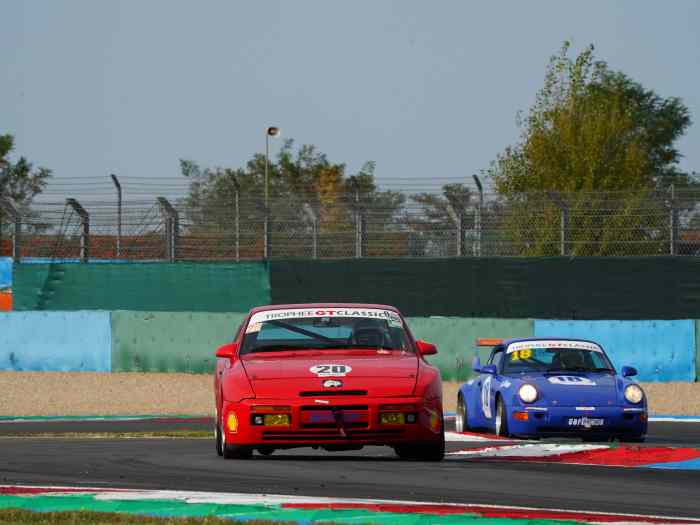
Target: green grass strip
178,508
155,434
25,517
101,418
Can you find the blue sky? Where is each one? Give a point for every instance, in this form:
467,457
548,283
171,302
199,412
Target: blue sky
426,89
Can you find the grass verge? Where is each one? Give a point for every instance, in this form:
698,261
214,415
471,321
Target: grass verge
172,434
27,517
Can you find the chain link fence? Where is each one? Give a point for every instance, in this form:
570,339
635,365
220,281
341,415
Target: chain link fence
304,226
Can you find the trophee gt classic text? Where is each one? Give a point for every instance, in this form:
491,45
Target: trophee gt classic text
335,376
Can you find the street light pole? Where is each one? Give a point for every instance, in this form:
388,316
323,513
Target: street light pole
269,132
115,180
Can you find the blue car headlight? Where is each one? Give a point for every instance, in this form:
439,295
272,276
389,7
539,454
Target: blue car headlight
634,394
528,393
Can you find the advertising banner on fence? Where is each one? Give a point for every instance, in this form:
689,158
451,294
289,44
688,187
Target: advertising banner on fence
5,284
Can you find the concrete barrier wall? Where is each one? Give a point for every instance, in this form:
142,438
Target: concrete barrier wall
128,341
660,350
55,341
455,339
697,350
169,341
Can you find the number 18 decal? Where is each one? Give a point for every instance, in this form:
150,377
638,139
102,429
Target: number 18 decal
330,370
525,353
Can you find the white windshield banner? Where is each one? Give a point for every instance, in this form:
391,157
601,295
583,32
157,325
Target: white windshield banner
554,343
303,313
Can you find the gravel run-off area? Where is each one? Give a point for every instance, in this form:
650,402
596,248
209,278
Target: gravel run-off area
91,393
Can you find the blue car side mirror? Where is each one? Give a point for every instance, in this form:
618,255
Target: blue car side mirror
476,364
489,369
628,371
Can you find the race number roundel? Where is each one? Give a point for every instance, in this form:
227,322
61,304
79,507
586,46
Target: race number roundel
486,397
330,370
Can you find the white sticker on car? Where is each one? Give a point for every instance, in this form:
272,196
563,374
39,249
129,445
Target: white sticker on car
551,343
302,313
571,381
486,396
330,370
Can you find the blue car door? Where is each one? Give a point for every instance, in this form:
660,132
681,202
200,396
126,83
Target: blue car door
487,386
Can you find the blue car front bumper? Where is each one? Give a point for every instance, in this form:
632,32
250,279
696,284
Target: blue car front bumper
570,421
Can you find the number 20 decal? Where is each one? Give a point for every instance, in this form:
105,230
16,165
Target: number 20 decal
330,370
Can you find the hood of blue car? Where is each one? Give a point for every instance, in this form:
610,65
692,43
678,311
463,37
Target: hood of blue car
579,389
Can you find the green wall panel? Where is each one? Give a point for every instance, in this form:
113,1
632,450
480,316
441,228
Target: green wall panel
169,341
200,287
29,282
455,339
505,287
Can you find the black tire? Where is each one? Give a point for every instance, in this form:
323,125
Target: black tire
461,420
237,452
424,451
219,442
501,419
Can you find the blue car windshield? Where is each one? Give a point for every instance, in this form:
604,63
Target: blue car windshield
555,360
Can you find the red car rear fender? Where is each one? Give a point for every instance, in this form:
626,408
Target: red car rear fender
235,384
429,382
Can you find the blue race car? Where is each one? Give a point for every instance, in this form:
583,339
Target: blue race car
544,387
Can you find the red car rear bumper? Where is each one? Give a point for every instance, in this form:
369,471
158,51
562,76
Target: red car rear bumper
342,422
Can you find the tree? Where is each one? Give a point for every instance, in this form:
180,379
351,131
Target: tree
299,179
591,132
436,227
19,180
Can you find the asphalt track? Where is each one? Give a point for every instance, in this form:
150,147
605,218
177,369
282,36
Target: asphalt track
192,464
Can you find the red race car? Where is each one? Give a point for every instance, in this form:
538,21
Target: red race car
335,376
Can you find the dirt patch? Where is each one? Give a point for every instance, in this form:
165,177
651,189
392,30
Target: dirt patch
93,393
88,393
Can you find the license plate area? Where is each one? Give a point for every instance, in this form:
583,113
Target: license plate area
585,422
350,417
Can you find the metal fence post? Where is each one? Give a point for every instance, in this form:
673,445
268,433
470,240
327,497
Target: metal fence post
358,226
238,224
8,206
115,180
237,215
458,218
673,219
478,213
267,245
313,220
564,225
171,228
84,229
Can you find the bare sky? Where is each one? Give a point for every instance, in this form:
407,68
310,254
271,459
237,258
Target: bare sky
426,89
